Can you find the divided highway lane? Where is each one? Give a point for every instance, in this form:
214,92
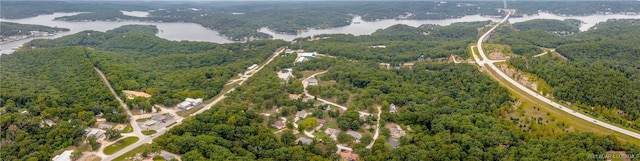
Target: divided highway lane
486,62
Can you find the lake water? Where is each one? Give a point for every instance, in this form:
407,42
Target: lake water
169,30
367,28
196,32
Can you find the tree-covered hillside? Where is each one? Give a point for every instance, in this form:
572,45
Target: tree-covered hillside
54,84
602,72
168,70
50,92
11,29
241,20
453,110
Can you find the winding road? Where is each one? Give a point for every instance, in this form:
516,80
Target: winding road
485,62
375,135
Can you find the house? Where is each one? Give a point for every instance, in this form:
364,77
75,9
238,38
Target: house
105,126
304,140
333,133
308,55
367,126
321,122
189,103
348,156
301,59
363,117
65,156
93,132
150,122
312,81
279,124
394,143
167,156
393,108
133,94
289,51
252,67
285,74
354,134
397,132
302,114
378,46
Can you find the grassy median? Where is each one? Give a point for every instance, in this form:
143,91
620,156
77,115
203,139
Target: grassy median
120,144
132,153
580,125
149,132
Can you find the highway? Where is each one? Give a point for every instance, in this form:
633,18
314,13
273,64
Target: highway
485,62
148,139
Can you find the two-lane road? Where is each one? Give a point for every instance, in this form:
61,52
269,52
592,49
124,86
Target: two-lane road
148,139
489,63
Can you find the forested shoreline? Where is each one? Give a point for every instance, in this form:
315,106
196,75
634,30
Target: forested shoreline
240,21
50,92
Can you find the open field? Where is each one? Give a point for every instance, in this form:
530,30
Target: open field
119,145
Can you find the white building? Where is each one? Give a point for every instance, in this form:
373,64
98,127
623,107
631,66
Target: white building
301,59
302,114
252,67
312,81
285,74
65,156
393,108
95,132
308,54
150,122
189,103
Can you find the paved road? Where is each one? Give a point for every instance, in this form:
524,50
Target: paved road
148,139
375,135
544,53
136,129
306,93
486,62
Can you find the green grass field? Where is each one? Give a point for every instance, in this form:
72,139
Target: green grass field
149,132
131,153
143,119
127,129
119,145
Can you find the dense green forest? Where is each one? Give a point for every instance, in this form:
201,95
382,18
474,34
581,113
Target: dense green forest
56,81
168,70
111,15
11,29
526,38
452,108
602,70
402,43
241,20
57,84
